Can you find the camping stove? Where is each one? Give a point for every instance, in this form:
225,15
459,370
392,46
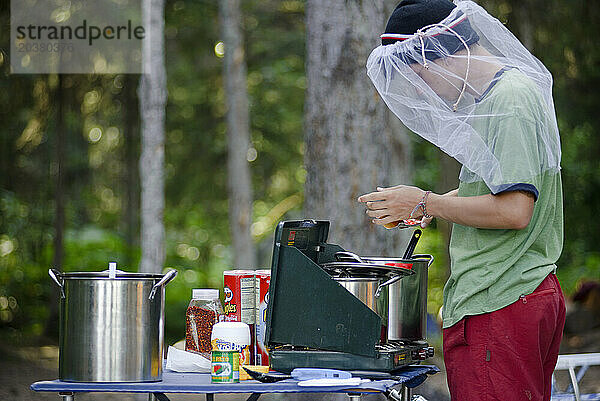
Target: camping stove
313,321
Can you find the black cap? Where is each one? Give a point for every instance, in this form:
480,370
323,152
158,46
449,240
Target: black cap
411,15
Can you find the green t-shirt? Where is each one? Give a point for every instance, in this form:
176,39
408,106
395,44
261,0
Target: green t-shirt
492,268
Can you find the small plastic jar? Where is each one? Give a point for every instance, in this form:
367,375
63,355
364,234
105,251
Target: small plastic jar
203,312
231,342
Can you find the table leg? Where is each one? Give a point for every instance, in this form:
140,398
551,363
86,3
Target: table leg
210,397
253,397
67,396
393,395
406,393
354,396
574,382
157,397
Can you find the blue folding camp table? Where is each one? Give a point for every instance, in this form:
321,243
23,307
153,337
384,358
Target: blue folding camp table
571,362
199,383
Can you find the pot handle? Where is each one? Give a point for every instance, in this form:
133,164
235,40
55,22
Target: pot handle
54,276
390,281
340,256
163,281
430,257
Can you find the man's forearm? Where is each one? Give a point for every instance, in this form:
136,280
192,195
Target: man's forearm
454,192
509,210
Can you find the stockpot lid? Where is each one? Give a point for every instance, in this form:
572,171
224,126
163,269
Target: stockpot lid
112,275
364,269
120,275
374,279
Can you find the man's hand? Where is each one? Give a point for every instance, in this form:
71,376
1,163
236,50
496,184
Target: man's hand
388,205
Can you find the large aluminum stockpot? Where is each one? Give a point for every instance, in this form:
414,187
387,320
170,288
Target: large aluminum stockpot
111,327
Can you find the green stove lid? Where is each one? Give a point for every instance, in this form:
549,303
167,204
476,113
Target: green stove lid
307,308
305,235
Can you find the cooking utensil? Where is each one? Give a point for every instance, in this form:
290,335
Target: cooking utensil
365,288
402,224
266,377
406,298
353,265
345,256
386,283
111,329
299,374
351,382
355,269
412,244
408,302
407,314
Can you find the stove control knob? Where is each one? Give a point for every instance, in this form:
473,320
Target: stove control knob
425,353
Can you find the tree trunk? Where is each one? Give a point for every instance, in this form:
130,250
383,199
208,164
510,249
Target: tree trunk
238,136
51,329
353,143
131,180
152,94
450,170
522,21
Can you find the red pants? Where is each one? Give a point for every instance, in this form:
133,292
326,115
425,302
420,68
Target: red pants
508,354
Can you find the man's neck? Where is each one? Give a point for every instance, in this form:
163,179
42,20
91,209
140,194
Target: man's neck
481,71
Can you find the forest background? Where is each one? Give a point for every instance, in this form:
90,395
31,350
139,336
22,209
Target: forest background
99,189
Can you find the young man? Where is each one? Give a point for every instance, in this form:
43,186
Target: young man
457,77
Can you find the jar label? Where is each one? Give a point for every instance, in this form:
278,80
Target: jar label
225,367
243,350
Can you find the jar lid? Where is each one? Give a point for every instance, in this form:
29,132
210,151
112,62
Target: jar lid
205,293
232,332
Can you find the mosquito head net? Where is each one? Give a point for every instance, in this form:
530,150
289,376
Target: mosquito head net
458,78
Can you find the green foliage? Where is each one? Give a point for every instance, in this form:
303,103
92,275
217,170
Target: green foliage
432,243
583,269
196,216
23,288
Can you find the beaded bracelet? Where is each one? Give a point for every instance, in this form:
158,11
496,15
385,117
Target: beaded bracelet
422,205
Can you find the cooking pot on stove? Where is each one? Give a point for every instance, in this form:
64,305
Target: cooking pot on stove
368,281
407,298
406,293
111,325
371,292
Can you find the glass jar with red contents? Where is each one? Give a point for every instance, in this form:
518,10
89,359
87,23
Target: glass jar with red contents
203,312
